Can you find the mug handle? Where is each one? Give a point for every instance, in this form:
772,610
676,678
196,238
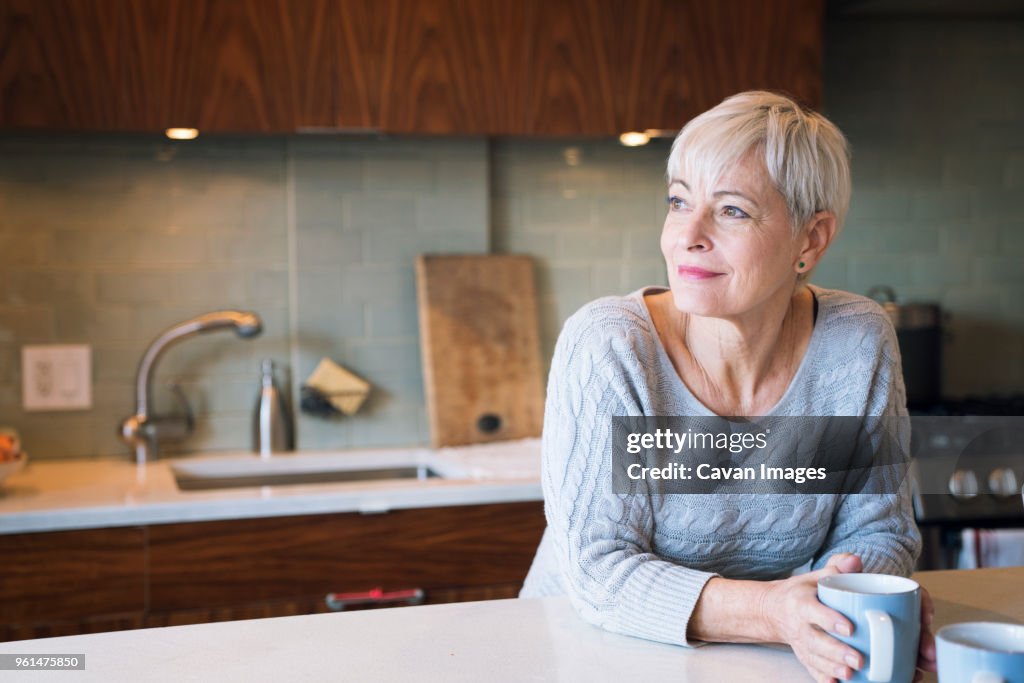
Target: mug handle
880,636
987,677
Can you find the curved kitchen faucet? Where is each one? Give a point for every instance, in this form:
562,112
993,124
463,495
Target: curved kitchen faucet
142,430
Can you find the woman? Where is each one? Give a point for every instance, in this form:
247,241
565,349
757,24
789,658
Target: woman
758,189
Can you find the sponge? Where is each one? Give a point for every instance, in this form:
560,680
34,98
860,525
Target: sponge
343,389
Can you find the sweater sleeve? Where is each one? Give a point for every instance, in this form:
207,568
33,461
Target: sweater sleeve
602,538
880,527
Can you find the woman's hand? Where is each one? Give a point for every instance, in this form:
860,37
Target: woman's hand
926,650
796,617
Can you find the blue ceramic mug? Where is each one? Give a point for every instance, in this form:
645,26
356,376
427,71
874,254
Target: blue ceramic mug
886,615
981,652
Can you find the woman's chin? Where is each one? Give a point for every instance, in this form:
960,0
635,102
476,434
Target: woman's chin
696,302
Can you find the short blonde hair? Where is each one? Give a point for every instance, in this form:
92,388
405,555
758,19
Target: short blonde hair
806,156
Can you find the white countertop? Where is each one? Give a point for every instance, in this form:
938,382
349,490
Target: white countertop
495,641
60,495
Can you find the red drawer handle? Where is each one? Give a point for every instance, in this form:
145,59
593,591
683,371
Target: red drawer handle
337,602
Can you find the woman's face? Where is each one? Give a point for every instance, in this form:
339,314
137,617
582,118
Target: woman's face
730,247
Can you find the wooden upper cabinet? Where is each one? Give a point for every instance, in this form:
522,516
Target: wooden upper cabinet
241,65
594,67
238,65
608,66
456,67
361,34
571,53
59,64
464,67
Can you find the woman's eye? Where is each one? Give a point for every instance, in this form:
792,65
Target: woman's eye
734,212
675,203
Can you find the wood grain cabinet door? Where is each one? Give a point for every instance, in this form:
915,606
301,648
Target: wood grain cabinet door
585,67
361,35
232,65
607,66
218,564
456,67
571,85
69,575
452,67
60,64
237,66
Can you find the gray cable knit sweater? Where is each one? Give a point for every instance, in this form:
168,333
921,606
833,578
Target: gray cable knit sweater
636,564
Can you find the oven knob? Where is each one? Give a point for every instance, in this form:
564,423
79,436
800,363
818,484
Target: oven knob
963,484
1003,482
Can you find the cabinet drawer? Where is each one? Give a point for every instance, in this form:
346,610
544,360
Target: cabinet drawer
209,564
72,574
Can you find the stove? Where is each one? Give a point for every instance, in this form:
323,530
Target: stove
967,471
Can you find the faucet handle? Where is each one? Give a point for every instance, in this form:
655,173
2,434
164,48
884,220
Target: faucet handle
190,420
178,427
172,426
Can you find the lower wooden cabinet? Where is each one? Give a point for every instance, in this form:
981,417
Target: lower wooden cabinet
72,576
165,575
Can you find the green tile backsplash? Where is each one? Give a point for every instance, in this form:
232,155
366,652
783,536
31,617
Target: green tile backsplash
106,240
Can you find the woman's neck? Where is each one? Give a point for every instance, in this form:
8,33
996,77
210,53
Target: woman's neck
740,365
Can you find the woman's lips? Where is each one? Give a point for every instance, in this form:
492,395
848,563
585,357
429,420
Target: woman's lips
695,273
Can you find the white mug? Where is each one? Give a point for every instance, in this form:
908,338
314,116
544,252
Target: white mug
886,615
981,652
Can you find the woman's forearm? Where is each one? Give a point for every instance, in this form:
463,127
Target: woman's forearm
732,611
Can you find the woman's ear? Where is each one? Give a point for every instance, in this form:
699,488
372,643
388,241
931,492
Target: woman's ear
820,232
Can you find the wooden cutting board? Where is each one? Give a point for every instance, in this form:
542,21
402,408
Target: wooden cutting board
480,347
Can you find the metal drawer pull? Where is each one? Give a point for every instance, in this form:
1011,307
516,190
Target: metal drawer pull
337,602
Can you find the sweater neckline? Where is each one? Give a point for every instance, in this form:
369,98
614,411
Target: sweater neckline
799,378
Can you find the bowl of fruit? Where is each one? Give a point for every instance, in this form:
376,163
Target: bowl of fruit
12,458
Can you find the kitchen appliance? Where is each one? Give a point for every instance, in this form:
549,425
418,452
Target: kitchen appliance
919,333
967,472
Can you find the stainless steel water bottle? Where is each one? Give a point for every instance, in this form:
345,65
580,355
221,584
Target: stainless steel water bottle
272,422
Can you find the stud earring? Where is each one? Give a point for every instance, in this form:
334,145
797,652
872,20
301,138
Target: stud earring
801,265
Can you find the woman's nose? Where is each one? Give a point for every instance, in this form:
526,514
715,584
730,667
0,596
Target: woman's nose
693,234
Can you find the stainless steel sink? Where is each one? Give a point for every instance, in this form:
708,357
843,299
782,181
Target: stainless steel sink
190,483
250,471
